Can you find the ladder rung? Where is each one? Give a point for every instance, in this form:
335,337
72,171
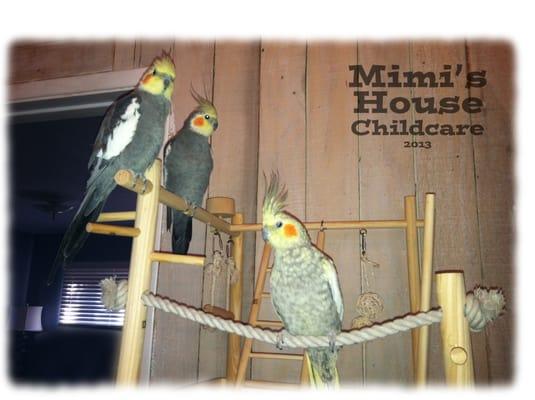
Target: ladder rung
269,324
277,356
117,216
113,230
266,294
177,258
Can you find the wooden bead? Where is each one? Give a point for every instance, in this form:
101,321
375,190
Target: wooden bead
458,355
221,206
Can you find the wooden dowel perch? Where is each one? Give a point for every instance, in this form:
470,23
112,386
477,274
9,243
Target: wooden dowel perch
178,203
117,216
177,258
125,178
386,224
456,345
113,230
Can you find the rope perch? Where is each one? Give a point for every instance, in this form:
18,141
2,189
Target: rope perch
482,306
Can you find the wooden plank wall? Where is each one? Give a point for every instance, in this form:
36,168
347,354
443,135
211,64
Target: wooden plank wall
288,107
384,163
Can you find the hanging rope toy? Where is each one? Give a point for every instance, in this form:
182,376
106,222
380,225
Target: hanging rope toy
222,262
113,293
369,304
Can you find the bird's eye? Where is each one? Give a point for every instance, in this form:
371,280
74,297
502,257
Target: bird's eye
278,224
206,116
155,72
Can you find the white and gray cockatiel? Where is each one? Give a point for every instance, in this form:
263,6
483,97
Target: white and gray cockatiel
187,167
304,284
130,137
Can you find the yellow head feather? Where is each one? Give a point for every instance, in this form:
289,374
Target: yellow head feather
165,65
159,78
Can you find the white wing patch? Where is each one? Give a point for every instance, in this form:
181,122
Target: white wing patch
123,132
166,154
332,279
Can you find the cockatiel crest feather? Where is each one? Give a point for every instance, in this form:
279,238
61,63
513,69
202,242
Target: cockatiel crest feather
165,65
274,198
204,105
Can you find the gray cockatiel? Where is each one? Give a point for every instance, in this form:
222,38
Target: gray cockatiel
187,167
130,137
304,284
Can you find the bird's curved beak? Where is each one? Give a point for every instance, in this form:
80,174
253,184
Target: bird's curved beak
166,82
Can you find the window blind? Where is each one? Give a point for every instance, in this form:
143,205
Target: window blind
80,297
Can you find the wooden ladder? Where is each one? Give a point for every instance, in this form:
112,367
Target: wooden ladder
259,295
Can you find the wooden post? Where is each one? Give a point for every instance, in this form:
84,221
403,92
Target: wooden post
413,264
236,296
253,313
425,294
456,345
139,281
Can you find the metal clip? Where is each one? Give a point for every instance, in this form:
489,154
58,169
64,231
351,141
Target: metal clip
230,244
218,235
363,233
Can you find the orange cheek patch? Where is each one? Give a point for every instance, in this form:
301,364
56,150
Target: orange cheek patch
146,79
290,230
199,121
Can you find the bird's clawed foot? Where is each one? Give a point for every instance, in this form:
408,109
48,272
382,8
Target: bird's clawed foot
280,340
190,208
332,341
137,178
144,182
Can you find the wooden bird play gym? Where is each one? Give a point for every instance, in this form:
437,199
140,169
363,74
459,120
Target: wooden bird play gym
458,312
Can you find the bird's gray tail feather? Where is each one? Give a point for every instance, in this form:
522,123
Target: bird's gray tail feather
182,230
323,367
76,235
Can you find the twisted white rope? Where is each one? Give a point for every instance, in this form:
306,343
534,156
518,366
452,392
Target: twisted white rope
270,336
482,306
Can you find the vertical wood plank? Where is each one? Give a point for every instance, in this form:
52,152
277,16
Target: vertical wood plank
235,147
31,61
386,176
176,341
494,176
447,169
332,173
124,55
282,144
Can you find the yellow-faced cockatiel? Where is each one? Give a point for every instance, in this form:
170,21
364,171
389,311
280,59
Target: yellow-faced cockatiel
187,167
304,284
130,137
